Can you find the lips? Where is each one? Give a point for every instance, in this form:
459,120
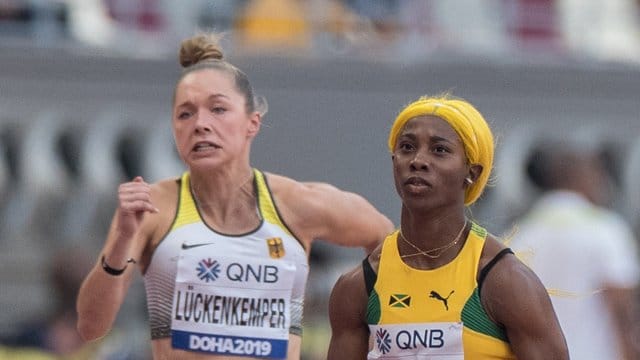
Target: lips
417,181
205,145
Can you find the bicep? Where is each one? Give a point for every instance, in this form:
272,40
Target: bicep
347,218
349,331
517,299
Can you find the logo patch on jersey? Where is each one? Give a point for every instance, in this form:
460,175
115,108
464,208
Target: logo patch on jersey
186,246
445,300
208,270
276,247
383,341
400,300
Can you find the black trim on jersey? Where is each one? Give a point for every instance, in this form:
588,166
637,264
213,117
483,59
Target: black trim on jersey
275,206
370,276
485,270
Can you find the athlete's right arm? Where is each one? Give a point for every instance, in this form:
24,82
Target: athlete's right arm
347,311
102,293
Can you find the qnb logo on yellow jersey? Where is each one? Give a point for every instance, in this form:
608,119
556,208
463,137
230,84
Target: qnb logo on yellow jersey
400,300
276,247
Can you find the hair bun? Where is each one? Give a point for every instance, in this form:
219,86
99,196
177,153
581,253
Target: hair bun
200,48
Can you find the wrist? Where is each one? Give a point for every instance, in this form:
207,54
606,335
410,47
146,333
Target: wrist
112,270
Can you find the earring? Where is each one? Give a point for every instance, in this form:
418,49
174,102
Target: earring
468,180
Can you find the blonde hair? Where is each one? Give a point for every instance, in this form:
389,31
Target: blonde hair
468,123
201,47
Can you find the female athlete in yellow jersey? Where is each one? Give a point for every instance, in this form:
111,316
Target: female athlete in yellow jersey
441,287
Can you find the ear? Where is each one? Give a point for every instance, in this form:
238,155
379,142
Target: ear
474,173
255,120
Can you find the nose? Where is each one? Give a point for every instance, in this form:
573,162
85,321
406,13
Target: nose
203,123
419,162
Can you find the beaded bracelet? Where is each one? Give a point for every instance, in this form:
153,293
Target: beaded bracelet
115,272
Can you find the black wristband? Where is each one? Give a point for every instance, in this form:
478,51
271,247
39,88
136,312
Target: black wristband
115,272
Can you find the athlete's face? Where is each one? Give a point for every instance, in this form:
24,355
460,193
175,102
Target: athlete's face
429,164
210,121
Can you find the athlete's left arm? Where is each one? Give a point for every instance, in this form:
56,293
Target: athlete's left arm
515,298
320,211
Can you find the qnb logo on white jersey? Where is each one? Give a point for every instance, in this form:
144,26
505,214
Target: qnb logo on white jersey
208,270
252,273
409,339
426,338
413,339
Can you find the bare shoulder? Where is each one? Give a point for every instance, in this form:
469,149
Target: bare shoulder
505,269
164,196
294,202
347,315
321,211
510,287
350,285
492,247
165,193
350,280
353,284
166,186
286,189
509,284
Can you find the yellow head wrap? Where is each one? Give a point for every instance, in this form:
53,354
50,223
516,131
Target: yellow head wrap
468,123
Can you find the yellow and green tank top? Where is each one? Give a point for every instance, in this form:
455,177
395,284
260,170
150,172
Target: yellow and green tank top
432,314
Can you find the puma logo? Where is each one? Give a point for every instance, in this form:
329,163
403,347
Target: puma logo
445,300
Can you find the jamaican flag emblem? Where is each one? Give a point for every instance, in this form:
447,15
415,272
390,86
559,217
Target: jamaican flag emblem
276,247
400,300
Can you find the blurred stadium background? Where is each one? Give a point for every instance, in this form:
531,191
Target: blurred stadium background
85,98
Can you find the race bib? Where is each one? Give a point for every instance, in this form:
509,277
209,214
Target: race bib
232,305
432,341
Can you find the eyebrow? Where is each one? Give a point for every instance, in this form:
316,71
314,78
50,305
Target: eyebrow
436,138
432,138
210,97
215,96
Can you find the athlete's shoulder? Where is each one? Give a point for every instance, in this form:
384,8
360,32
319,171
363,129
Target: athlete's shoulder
279,183
351,283
166,185
164,196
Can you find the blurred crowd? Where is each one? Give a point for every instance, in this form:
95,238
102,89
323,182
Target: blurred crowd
400,29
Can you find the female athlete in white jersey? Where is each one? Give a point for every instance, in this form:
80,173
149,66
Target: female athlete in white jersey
223,248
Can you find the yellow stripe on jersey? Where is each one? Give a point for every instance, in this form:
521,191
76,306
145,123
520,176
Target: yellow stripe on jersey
265,202
187,210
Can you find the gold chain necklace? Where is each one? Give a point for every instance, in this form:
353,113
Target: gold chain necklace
433,253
